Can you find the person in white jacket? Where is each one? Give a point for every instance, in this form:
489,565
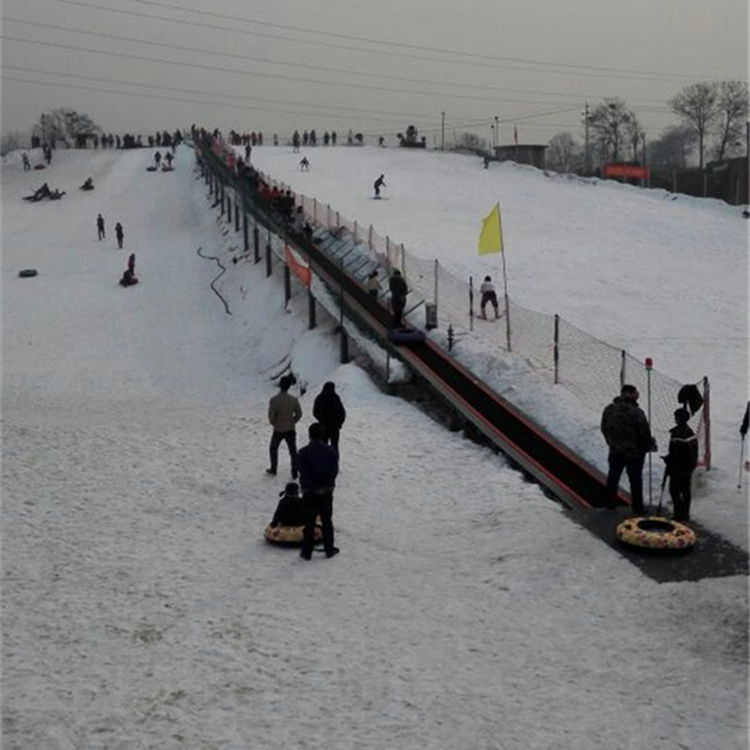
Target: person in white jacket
487,290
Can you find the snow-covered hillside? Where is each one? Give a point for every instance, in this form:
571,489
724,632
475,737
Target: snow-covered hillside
141,606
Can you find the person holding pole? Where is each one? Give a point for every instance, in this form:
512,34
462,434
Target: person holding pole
628,435
681,462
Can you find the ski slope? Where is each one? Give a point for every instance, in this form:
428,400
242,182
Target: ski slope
142,607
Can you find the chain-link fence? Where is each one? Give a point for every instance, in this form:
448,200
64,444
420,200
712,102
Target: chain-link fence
590,369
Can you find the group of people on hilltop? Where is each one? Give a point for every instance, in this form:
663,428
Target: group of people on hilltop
316,465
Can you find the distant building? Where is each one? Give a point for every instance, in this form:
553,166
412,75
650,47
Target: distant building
521,154
726,180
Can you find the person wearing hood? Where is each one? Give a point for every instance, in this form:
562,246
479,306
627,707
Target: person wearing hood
330,412
628,435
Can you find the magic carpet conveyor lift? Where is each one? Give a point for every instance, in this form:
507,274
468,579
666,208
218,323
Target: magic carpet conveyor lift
567,476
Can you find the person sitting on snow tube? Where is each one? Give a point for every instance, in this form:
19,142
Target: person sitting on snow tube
289,511
88,185
128,278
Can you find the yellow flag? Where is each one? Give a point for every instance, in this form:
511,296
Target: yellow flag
491,236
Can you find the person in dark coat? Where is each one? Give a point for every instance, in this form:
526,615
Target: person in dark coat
628,435
289,511
128,278
330,412
131,263
120,234
399,290
379,183
318,467
100,226
681,462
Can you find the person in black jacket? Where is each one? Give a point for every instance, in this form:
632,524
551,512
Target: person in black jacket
399,290
330,412
628,435
318,466
289,511
681,462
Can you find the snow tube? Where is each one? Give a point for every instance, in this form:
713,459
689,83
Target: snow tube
290,536
401,336
27,273
656,533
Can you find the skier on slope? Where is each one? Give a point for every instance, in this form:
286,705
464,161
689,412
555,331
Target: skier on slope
379,183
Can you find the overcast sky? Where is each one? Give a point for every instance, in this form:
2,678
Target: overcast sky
374,66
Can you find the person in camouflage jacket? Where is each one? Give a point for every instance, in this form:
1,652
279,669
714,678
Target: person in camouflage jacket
628,435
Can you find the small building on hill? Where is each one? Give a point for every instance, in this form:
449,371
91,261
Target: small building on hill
521,153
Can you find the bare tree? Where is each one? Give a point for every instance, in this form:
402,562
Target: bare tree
10,142
672,148
696,105
633,134
732,106
564,154
63,125
608,121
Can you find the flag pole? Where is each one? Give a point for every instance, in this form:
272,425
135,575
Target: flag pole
507,304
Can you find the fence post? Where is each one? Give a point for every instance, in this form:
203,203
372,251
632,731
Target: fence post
311,310
229,210
707,421
623,373
315,210
338,219
256,243
437,265
369,238
269,267
403,260
556,352
245,237
355,231
221,188
236,216
287,284
388,253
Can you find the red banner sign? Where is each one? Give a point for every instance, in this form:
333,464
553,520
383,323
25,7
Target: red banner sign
626,170
297,267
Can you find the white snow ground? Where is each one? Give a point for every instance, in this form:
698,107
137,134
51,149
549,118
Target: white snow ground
141,606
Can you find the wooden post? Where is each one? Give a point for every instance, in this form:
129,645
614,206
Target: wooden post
229,209
556,351
256,243
623,361
287,284
707,422
245,237
344,347
269,266
236,216
311,310
221,187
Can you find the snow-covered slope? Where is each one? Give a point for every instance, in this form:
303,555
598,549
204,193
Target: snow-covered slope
142,607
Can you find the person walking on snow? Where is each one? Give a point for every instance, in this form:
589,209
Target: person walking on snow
379,183
120,234
100,226
628,435
26,164
284,411
318,468
304,164
487,290
681,461
330,412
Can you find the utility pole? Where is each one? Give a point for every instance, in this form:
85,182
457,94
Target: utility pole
497,131
587,157
442,130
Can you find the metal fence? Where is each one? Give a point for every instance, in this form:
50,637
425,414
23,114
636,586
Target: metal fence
590,369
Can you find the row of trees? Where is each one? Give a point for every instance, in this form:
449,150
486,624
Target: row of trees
712,117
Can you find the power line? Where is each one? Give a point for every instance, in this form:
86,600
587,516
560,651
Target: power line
252,58
255,73
556,66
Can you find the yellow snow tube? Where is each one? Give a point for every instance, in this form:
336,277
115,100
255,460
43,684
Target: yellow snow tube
290,536
657,533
